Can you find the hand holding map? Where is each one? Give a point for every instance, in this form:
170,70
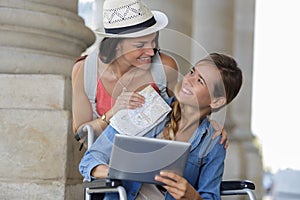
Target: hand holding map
139,121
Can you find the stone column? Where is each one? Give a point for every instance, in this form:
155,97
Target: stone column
245,144
176,39
97,14
39,43
97,23
228,26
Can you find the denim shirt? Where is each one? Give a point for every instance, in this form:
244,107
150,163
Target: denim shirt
204,168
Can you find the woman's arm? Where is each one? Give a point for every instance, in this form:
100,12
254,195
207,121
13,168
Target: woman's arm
220,131
100,171
81,107
96,159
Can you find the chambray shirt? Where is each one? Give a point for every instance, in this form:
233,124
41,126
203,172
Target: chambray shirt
204,168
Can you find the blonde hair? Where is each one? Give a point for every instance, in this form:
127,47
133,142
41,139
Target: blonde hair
170,131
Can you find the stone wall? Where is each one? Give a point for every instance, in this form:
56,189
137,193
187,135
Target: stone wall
39,43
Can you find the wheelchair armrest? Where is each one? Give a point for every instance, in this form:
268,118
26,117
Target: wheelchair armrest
237,185
102,186
101,183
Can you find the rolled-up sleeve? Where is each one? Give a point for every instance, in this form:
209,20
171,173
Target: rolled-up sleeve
98,153
87,164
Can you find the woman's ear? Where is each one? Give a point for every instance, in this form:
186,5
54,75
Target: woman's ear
217,103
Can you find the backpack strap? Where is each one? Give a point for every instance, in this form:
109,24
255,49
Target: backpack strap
159,75
90,79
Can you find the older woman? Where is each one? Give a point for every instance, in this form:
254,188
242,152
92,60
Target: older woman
123,64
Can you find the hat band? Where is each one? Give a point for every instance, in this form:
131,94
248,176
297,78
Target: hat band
133,28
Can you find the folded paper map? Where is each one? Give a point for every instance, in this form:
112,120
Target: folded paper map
139,121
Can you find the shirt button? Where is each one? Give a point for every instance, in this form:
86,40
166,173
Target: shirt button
133,193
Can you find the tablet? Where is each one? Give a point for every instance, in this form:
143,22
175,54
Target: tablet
137,158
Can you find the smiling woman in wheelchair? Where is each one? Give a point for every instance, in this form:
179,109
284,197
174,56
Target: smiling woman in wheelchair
211,84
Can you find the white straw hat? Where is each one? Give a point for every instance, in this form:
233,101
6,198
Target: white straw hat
130,18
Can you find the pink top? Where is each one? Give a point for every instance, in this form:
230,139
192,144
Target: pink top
104,102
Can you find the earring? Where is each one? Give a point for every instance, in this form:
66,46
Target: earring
156,50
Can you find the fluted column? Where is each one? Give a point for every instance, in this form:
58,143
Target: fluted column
39,41
97,14
250,161
228,26
176,39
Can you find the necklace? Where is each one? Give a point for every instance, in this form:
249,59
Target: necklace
121,83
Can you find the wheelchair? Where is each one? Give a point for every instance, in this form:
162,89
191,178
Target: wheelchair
98,187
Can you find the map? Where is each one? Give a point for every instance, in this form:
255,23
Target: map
139,121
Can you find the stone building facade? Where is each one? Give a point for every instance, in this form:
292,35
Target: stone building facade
39,42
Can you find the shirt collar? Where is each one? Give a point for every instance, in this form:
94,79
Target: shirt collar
200,132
